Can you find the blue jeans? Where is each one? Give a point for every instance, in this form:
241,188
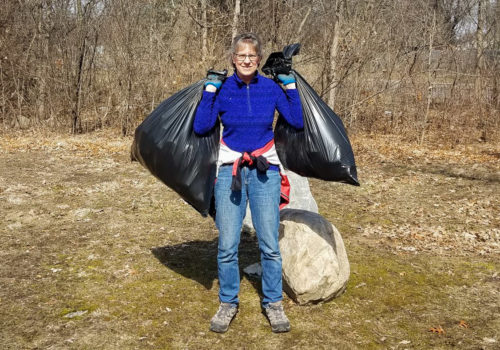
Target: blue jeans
262,190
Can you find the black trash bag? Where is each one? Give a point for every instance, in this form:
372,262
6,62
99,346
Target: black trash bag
322,149
167,146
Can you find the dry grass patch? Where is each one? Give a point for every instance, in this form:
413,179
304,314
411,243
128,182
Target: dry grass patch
96,253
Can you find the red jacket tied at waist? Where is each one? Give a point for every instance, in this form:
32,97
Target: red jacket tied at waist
257,159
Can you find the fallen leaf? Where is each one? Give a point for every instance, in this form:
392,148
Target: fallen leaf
463,324
438,330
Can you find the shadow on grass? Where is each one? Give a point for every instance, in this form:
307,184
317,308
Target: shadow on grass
449,170
197,260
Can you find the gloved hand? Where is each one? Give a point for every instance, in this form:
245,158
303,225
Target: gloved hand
286,78
214,80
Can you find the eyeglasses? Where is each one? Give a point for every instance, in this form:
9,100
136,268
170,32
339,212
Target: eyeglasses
242,58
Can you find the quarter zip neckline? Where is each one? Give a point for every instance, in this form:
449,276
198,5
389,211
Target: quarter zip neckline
240,82
248,101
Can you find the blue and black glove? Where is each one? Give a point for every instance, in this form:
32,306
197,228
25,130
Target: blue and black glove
286,79
215,80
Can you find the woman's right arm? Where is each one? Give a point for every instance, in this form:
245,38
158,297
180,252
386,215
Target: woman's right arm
206,113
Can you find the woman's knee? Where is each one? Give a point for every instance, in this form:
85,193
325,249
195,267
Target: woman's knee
227,254
270,252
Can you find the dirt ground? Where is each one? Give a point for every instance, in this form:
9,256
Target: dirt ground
98,254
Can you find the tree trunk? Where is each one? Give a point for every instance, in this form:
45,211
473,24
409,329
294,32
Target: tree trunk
2,84
302,23
275,21
355,93
479,50
497,24
334,51
236,19
41,71
204,30
496,44
76,122
429,77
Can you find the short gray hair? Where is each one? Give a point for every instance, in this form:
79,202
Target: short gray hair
249,38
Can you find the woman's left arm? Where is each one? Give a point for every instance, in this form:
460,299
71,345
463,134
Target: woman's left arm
289,105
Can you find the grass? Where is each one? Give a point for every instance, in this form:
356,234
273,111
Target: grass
96,233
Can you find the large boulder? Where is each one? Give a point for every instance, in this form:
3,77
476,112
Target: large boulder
315,264
300,198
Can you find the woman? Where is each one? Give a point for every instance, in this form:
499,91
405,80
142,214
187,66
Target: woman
248,171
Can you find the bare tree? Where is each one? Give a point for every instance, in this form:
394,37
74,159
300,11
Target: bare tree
334,51
432,33
416,67
479,46
204,30
236,18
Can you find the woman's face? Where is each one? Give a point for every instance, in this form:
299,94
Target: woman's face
246,61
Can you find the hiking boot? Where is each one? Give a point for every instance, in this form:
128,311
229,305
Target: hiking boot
277,318
220,322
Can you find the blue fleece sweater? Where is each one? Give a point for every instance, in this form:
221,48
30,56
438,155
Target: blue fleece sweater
247,111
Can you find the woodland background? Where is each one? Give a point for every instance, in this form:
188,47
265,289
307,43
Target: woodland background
95,253
422,69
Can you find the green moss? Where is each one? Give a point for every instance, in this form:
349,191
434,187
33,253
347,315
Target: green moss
58,188
137,298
